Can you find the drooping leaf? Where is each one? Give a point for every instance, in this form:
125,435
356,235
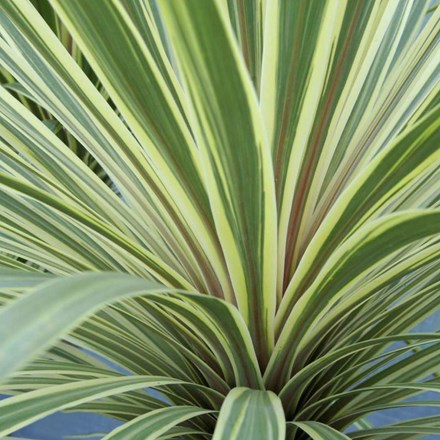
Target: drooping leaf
155,423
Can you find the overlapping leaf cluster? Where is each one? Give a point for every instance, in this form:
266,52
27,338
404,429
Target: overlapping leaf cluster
236,201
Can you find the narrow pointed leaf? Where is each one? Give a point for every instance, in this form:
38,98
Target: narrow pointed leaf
319,431
18,411
60,304
234,153
155,423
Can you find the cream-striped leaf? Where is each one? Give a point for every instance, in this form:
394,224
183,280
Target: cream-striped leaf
319,431
251,414
155,423
234,154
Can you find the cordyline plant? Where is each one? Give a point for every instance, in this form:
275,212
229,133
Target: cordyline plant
236,202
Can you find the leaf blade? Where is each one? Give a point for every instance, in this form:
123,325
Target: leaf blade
155,423
248,413
238,172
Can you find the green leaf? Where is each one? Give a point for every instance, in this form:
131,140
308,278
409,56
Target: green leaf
328,118
358,255
250,414
61,305
87,293
222,326
306,375
376,389
419,426
83,111
394,170
57,221
247,19
319,431
228,129
276,160
15,279
154,424
151,105
19,411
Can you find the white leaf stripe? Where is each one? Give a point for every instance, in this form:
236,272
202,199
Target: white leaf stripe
368,290
155,423
362,252
94,224
299,381
208,316
179,112
292,158
78,105
18,411
375,391
238,175
319,431
87,293
356,75
376,185
247,20
151,114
